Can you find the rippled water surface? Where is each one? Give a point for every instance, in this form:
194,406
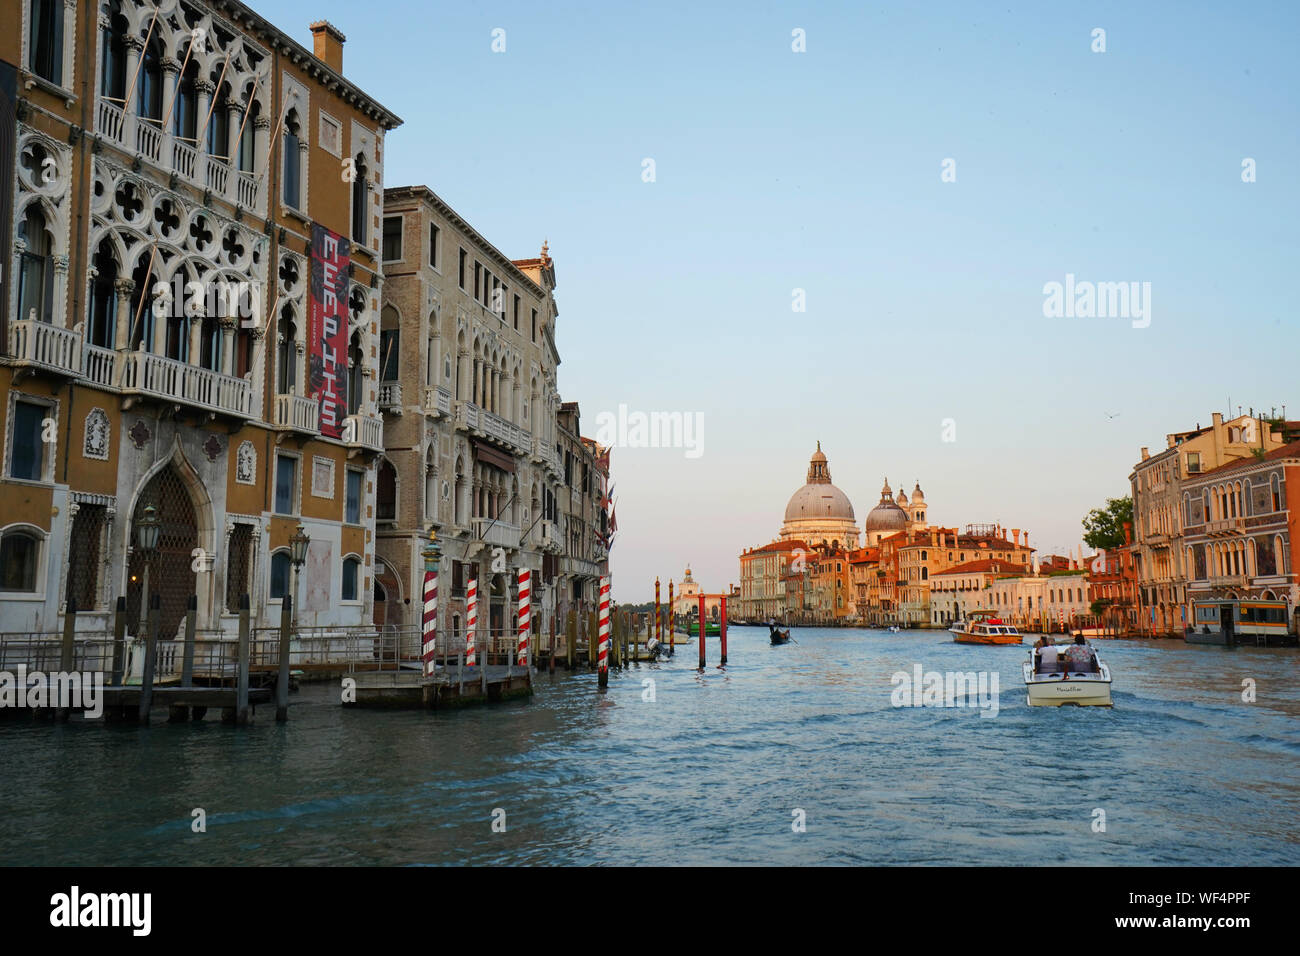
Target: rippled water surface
707,773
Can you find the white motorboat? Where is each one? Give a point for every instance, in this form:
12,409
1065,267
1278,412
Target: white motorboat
1051,685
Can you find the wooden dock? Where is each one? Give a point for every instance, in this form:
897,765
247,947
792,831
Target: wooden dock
450,687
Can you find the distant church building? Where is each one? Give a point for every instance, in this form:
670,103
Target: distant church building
819,514
893,515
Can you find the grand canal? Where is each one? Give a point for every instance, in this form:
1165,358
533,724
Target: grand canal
708,772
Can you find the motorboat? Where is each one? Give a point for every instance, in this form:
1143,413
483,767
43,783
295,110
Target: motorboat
1050,685
985,629
893,629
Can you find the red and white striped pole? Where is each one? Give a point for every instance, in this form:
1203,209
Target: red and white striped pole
471,622
603,675
430,620
525,618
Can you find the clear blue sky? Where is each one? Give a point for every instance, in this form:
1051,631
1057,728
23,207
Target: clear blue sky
821,171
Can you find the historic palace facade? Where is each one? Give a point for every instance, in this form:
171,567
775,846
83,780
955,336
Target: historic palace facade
190,314
212,326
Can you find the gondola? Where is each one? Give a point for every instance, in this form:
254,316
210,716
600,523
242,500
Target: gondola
780,637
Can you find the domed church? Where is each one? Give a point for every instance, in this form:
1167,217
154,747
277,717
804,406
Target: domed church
893,515
819,513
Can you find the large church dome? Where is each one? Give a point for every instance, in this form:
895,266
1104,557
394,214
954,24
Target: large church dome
819,512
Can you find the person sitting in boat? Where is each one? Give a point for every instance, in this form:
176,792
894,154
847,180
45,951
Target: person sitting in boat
1080,655
1047,656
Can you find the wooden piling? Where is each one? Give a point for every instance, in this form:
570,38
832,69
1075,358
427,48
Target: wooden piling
571,635
66,651
191,622
241,675
722,631
700,637
150,655
282,676
550,664
119,638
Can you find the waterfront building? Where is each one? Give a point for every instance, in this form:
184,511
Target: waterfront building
956,591
918,555
1156,482
686,599
1241,521
1114,587
189,315
473,446
763,571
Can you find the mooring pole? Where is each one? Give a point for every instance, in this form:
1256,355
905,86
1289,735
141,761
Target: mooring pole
672,638
191,623
66,651
550,664
659,620
150,652
241,671
282,677
722,630
701,633
603,679
119,637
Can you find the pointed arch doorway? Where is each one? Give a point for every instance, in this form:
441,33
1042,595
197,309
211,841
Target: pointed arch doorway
171,564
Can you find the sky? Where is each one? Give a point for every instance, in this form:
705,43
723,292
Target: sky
822,171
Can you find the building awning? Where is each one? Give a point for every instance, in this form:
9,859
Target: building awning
492,456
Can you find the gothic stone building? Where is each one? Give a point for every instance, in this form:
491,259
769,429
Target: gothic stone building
189,313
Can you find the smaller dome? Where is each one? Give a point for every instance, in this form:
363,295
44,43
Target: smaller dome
902,497
917,493
886,516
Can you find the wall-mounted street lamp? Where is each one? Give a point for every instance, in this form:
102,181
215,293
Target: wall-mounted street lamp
147,530
298,543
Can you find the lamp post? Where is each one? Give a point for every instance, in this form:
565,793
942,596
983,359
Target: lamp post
298,543
147,529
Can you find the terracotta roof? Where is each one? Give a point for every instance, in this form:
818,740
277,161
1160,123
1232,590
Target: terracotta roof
776,546
990,564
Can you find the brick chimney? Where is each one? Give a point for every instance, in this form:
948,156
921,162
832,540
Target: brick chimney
1015,536
329,41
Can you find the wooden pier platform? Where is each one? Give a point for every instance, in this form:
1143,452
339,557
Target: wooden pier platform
452,687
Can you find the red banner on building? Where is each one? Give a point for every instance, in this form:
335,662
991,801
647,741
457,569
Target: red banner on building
327,336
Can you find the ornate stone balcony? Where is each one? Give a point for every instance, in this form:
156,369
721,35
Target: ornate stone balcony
158,377
579,566
437,401
1225,526
297,414
544,452
101,366
467,418
46,348
146,139
390,397
505,433
364,432
550,538
496,533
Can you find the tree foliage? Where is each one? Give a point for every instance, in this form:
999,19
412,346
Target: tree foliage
1104,527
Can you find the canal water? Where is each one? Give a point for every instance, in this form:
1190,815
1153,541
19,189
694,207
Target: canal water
712,770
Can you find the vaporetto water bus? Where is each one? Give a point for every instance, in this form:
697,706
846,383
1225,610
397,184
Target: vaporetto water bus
1230,622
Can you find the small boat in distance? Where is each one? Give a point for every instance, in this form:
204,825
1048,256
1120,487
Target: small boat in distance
985,628
780,637
1084,684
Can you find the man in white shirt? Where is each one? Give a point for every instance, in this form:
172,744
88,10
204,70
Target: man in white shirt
1047,657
